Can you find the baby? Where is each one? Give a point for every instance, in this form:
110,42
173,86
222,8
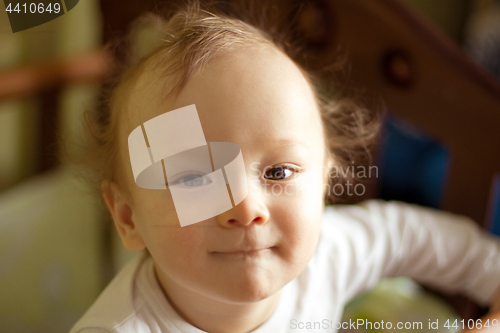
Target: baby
278,261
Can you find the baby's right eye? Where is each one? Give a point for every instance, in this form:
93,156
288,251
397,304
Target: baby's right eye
192,180
279,172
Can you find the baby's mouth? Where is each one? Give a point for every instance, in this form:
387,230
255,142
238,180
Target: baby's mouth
252,251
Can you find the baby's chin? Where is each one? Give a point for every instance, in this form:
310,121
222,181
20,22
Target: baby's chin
248,290
247,285
252,278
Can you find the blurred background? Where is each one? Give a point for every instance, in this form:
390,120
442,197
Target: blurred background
58,249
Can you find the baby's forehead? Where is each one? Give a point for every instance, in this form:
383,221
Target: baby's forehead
230,87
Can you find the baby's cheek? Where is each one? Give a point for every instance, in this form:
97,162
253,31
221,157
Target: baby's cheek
175,249
300,229
304,220
156,208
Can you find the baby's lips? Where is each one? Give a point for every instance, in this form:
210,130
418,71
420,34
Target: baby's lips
244,249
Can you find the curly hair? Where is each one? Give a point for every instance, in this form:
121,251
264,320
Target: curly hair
182,43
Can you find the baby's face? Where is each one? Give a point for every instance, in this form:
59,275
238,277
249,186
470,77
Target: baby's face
260,101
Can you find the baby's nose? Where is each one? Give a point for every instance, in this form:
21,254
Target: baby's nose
251,210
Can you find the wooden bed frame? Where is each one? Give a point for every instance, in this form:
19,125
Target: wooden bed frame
393,53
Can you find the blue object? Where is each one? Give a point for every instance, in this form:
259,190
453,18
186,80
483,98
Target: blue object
413,166
494,223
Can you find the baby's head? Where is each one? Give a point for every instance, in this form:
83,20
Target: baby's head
249,92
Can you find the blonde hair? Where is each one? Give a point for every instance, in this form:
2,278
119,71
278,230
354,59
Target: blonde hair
182,45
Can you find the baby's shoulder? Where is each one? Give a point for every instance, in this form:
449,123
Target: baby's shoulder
340,216
376,211
370,221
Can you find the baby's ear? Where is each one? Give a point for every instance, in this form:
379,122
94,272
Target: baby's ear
123,216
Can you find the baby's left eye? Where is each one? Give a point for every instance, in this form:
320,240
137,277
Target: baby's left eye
192,180
278,173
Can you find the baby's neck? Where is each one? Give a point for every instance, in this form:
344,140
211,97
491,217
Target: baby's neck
214,316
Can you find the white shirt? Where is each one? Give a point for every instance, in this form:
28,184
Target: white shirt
359,244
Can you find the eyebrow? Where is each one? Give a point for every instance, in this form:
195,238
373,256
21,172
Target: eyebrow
287,145
280,143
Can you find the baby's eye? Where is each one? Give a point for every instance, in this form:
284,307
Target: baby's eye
192,180
279,172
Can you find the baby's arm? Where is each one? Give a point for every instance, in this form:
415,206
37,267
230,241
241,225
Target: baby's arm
384,239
